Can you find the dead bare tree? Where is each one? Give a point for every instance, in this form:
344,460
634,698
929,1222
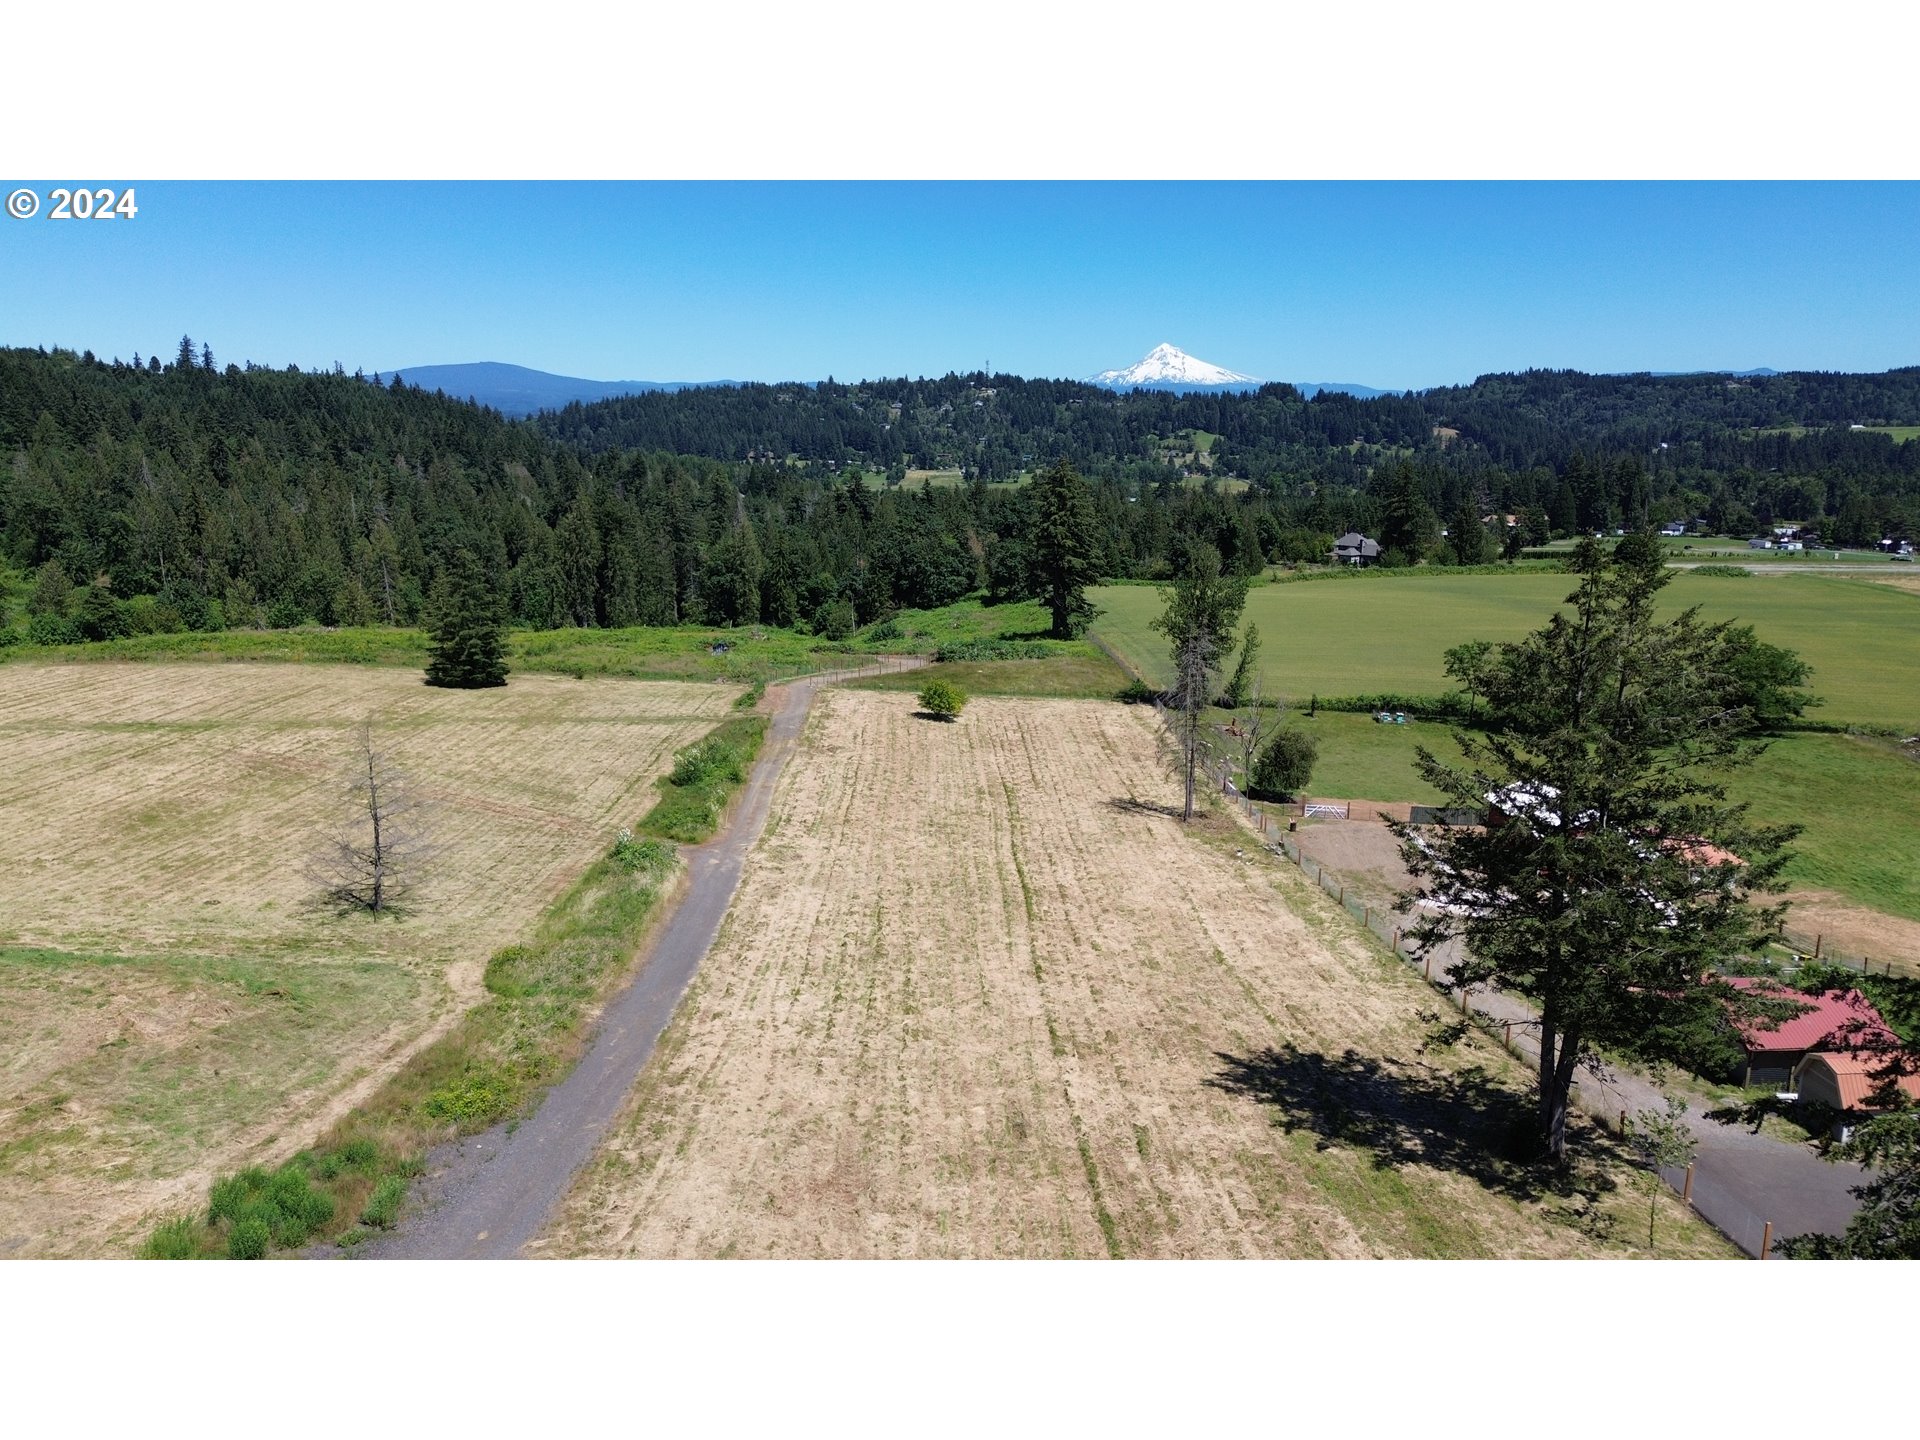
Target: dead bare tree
1252,724
373,857
1194,661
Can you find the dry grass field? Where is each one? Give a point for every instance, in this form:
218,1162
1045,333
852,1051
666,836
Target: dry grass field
175,1005
981,995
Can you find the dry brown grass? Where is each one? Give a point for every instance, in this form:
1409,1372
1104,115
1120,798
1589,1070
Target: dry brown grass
180,1007
980,995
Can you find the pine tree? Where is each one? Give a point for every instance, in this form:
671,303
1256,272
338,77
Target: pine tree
467,650
1066,539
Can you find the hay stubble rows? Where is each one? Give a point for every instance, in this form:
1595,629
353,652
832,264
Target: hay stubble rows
980,995
175,1005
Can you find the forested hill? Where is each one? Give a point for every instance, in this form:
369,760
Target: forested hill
162,496
999,425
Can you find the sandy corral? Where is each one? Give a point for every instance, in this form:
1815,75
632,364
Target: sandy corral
980,994
174,1004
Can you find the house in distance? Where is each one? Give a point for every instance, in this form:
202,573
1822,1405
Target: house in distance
1353,548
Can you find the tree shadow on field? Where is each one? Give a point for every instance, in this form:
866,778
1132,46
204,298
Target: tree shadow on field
1459,1120
1127,805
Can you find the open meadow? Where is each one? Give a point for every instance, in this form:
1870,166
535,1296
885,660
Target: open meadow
176,1004
1388,633
1856,866
981,994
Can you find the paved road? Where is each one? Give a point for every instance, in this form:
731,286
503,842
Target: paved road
487,1196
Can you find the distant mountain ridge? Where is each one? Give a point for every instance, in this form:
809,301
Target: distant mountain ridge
516,391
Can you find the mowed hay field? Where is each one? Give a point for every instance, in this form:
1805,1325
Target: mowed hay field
175,1005
1369,635
980,994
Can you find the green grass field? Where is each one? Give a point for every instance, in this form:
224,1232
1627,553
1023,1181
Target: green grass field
1855,798
1388,633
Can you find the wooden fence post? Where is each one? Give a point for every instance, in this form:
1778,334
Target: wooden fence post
1686,1188
1766,1240
1426,967
1816,945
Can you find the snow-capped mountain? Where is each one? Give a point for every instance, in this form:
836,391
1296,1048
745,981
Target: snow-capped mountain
1168,367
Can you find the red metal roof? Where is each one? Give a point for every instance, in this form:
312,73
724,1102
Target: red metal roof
1827,1023
1853,1076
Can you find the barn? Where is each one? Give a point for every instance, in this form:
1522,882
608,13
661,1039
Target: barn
1835,1020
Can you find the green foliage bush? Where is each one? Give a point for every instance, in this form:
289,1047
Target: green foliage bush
383,1206
249,1240
284,1203
705,761
834,620
173,1240
631,854
1285,764
939,698
1138,692
1734,572
478,1097
976,650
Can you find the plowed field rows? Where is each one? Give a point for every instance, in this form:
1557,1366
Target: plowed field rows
174,1003
981,995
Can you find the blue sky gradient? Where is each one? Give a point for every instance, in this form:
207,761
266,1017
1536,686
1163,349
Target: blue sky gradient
1387,284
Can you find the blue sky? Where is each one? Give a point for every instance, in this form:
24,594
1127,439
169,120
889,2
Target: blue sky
1389,284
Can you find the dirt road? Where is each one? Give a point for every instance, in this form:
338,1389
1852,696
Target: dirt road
488,1195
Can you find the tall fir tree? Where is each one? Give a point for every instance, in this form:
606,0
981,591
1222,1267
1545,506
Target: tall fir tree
468,645
1066,547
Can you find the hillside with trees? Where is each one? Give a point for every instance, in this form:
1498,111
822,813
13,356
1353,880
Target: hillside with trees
160,495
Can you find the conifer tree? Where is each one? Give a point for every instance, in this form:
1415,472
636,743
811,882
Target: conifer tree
1066,539
467,650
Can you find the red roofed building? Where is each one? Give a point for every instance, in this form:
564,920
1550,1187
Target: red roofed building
1837,1020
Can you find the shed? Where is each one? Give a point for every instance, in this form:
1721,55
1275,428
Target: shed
1844,1080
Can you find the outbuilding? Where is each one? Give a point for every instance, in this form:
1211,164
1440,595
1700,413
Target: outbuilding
1844,1081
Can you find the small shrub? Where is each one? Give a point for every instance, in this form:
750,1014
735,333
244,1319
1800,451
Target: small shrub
480,1096
631,854
1730,571
173,1240
834,620
976,650
885,630
1138,692
705,761
249,1240
383,1206
939,698
1284,766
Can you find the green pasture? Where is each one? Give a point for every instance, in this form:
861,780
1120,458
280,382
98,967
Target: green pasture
1854,797
1387,633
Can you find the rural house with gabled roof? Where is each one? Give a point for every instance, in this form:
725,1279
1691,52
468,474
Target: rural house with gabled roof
1353,548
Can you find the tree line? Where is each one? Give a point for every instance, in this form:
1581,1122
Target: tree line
159,495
